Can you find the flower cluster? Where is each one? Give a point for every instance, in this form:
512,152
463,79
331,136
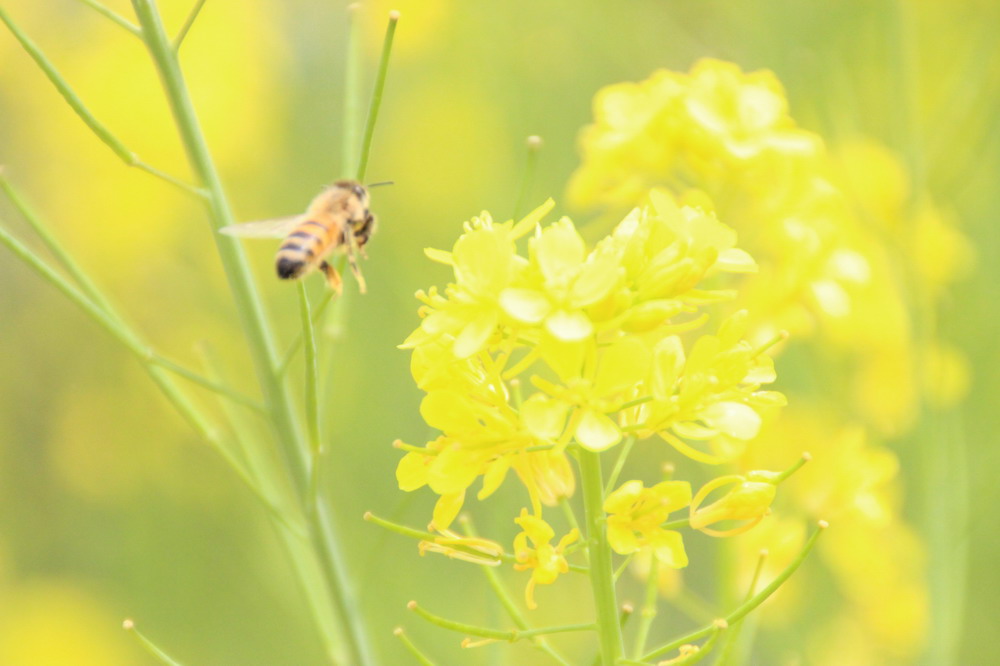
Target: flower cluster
846,252
524,357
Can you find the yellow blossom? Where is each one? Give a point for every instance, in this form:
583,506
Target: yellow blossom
748,498
468,549
710,395
545,560
637,515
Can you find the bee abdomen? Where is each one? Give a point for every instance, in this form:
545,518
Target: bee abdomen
296,253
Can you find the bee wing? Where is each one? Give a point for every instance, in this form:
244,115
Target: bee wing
278,227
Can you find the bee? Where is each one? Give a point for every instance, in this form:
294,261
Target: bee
338,219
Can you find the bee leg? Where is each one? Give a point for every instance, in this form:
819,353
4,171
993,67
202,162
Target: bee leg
332,278
352,258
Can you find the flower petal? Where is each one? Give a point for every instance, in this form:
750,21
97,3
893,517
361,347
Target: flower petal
446,509
525,305
543,417
475,334
559,251
569,326
733,418
596,431
622,365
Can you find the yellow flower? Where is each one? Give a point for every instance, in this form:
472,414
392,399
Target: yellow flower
749,499
563,282
637,515
485,262
545,560
710,395
468,549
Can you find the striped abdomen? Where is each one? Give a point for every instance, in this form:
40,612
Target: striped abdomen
305,248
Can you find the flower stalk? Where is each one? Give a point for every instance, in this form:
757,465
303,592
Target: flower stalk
601,572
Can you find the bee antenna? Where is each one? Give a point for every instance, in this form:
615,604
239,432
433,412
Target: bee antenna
384,182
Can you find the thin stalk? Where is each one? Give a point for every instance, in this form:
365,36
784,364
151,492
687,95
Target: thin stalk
52,245
115,17
311,393
383,69
493,578
120,332
179,39
616,471
90,289
497,634
729,648
648,613
293,348
348,631
421,658
97,297
746,607
206,383
148,645
623,566
570,514
601,574
75,103
528,178
351,120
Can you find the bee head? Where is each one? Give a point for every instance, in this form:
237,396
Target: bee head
354,187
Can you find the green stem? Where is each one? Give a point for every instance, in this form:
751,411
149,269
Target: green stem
120,332
421,658
493,578
75,103
616,471
648,613
732,638
148,645
497,634
383,69
531,163
116,18
312,399
623,566
350,151
348,632
204,382
601,573
179,39
299,337
90,289
746,607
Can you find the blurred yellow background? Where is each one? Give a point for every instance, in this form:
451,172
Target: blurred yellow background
109,505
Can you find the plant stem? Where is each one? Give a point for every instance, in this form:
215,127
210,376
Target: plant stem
601,574
75,103
383,68
497,634
350,150
747,606
312,399
179,39
347,632
528,178
421,658
116,18
648,613
148,645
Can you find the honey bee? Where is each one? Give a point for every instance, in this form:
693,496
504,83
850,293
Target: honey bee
338,219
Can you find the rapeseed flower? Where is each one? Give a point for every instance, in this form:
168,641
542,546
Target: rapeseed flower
525,358
533,551
636,516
